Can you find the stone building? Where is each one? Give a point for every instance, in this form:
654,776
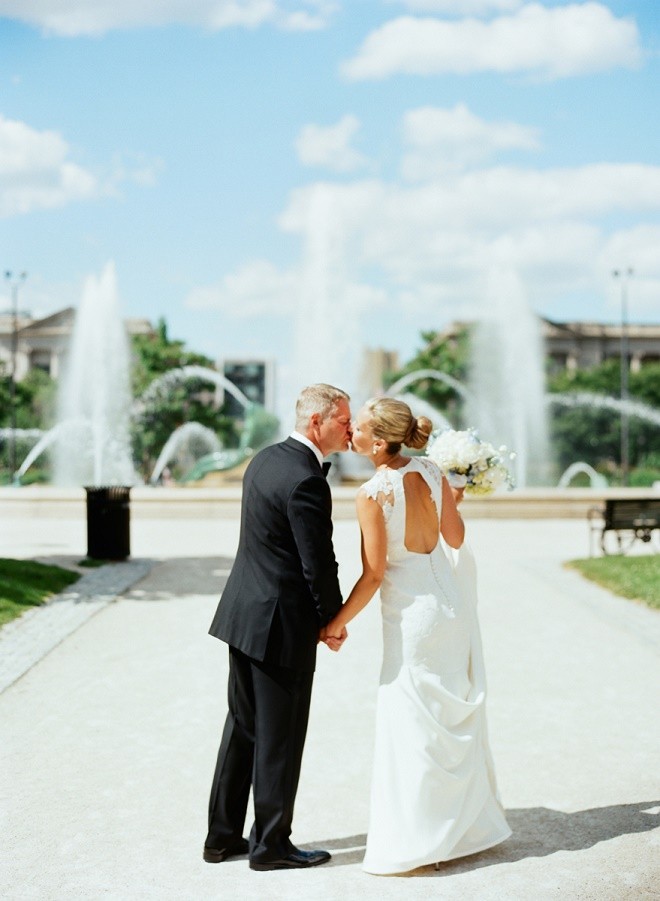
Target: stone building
582,345
43,343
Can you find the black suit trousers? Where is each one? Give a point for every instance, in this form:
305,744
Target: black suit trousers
262,746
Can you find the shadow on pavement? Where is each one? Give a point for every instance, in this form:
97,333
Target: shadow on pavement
172,578
537,832
177,577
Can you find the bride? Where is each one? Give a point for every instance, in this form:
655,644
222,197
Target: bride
433,794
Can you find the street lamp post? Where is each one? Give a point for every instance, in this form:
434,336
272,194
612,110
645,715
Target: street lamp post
15,282
624,275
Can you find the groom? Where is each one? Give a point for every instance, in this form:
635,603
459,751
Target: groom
281,592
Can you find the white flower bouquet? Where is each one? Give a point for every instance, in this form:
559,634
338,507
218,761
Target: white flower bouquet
468,462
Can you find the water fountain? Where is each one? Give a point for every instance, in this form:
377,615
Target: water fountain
504,398
161,386
605,402
411,377
421,407
92,439
328,306
507,384
596,480
259,426
181,438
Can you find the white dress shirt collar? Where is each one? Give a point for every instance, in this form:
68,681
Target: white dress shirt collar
310,444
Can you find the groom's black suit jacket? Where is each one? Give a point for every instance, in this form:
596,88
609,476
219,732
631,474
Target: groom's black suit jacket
283,585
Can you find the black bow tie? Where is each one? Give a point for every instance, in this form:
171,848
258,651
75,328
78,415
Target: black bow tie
326,467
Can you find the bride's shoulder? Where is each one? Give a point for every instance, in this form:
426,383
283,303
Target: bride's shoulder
379,484
430,467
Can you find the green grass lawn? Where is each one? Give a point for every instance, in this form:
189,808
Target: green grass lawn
631,577
24,584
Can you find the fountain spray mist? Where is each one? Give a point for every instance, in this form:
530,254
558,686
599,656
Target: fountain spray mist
507,382
94,398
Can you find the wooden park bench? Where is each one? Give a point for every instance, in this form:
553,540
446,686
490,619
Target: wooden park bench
625,520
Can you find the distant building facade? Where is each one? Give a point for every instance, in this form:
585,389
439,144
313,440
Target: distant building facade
255,378
376,364
44,343
570,346
582,345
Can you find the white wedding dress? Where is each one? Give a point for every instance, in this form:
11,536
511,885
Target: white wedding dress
433,794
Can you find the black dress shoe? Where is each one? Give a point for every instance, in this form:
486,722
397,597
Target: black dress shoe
294,861
217,855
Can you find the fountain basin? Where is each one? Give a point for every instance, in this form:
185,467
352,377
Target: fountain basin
46,501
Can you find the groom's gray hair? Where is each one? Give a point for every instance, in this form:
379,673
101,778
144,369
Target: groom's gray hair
321,399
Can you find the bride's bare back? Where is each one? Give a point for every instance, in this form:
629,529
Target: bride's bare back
422,525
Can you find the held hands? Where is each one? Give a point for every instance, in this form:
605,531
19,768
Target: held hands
333,637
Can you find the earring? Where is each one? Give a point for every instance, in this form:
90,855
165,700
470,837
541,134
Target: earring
375,450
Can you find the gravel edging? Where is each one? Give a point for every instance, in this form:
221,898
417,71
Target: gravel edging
26,640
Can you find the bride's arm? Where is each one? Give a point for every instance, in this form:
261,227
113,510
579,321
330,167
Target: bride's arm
452,527
374,555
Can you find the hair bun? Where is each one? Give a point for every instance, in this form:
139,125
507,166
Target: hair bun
412,428
418,432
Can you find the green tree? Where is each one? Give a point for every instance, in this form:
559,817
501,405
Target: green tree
36,401
35,409
447,355
593,434
194,401
156,354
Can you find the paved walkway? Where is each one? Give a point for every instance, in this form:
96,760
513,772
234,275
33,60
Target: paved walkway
107,744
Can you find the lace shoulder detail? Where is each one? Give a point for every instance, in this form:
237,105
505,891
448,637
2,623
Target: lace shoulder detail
380,489
431,469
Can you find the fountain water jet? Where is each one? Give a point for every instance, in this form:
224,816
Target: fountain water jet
45,441
184,435
328,306
506,378
164,383
596,479
422,407
94,399
411,377
605,402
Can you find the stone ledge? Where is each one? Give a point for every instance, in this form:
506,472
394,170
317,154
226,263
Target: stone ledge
225,502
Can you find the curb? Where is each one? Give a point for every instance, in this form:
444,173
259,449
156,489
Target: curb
26,640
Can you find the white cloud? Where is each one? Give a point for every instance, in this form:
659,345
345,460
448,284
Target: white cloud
138,169
551,42
461,7
330,146
35,171
637,248
430,244
445,140
92,17
373,253
256,289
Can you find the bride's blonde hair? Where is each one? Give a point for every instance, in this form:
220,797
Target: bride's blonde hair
393,421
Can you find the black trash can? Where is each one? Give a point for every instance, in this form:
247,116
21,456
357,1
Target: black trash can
108,522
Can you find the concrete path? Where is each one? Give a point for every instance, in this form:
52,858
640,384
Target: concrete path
107,744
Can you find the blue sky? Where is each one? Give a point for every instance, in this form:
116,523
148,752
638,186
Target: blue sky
300,179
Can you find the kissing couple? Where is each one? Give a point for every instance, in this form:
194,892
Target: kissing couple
433,794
